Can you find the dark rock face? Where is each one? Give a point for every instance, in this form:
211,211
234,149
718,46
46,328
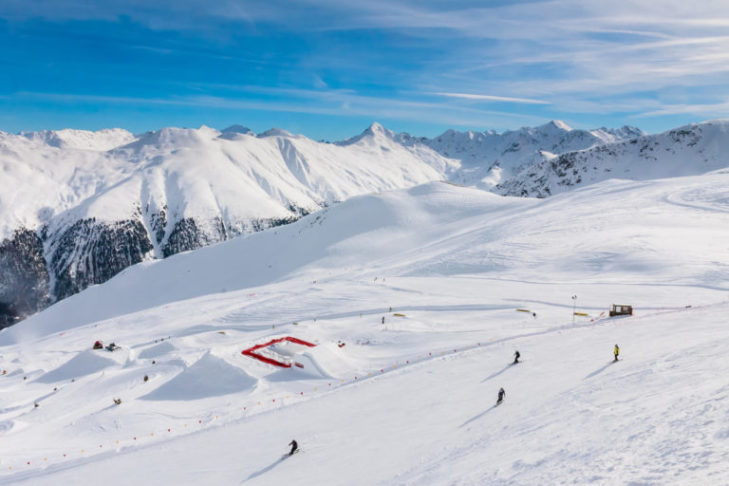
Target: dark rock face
24,277
157,222
90,253
186,235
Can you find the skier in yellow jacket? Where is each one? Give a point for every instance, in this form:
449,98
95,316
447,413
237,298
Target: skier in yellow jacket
616,352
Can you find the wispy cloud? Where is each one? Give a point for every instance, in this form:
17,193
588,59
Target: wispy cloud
339,104
720,110
483,97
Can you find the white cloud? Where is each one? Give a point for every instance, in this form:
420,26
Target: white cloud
483,97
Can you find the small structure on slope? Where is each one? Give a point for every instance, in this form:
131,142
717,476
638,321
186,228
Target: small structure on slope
621,310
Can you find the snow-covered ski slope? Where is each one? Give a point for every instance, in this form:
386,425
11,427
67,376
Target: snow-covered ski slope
409,401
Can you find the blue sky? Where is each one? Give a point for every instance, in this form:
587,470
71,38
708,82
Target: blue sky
329,68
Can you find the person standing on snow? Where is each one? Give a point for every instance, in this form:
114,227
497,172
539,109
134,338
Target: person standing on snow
516,357
616,352
502,394
294,447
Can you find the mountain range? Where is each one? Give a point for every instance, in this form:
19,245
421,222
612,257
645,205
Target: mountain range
78,207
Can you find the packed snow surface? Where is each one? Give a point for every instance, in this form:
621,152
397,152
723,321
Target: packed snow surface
462,278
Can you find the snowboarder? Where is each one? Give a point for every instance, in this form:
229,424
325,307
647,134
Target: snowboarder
98,345
616,352
294,447
112,347
502,394
516,357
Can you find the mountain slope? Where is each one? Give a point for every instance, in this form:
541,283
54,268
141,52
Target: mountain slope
97,211
442,229
416,393
78,207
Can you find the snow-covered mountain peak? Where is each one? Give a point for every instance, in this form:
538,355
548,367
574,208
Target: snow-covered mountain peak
170,138
561,125
718,126
377,129
554,127
626,132
377,133
277,132
238,129
101,140
454,136
688,150
611,135
235,132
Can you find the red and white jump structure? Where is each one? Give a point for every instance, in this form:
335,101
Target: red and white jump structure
275,362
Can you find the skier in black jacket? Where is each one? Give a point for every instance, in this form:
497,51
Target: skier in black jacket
516,357
502,394
294,447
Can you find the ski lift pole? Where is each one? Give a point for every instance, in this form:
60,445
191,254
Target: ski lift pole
574,307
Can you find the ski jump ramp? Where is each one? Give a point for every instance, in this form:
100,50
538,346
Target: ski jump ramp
252,351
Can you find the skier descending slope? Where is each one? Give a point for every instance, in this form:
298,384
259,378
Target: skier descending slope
616,352
502,394
294,447
517,355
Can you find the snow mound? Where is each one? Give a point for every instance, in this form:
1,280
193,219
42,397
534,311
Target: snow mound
313,363
160,349
312,366
210,376
84,363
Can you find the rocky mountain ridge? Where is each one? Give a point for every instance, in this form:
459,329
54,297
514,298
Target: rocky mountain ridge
684,151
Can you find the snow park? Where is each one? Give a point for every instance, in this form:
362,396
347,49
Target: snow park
501,281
